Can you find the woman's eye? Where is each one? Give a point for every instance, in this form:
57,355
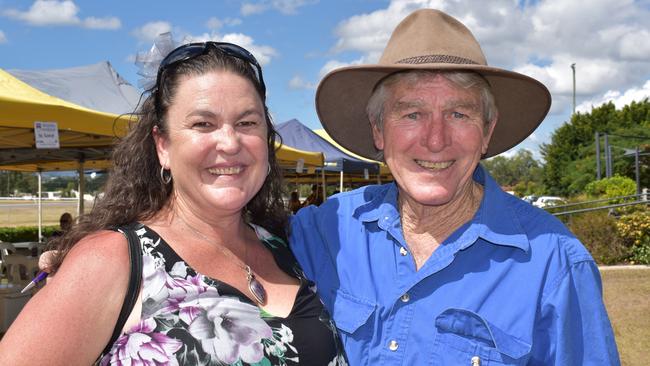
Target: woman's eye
201,124
247,123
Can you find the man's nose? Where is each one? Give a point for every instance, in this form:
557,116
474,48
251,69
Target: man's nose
437,136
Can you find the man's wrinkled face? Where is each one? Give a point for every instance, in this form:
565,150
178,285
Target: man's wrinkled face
433,136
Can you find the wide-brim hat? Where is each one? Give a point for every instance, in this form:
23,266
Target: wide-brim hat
428,39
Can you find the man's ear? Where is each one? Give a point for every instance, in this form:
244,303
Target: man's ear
377,136
162,143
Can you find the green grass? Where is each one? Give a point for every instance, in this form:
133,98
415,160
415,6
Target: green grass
25,213
627,298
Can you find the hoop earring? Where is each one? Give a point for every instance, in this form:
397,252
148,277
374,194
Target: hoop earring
165,178
268,170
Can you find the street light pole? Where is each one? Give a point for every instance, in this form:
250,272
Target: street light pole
597,156
636,170
573,67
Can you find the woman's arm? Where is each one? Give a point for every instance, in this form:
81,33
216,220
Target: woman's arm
70,320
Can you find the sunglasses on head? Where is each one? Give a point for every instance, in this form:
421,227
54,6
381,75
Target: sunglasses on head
192,50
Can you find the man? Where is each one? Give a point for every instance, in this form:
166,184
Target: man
442,267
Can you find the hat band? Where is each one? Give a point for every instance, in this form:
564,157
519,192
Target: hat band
436,59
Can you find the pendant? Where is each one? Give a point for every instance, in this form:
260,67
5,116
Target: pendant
255,287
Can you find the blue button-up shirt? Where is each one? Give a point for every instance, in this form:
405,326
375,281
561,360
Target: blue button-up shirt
511,287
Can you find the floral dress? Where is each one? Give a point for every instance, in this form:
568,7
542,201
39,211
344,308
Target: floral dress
191,319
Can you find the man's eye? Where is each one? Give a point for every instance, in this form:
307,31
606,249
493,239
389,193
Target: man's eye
458,115
201,124
413,115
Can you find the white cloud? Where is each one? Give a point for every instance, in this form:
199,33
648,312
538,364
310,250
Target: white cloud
288,7
620,99
3,38
151,30
60,13
297,82
215,23
48,12
635,45
335,64
250,9
102,23
262,53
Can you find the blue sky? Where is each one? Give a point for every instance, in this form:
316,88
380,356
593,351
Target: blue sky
298,41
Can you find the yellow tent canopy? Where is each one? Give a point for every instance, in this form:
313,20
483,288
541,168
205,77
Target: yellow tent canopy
22,105
84,134
288,158
383,169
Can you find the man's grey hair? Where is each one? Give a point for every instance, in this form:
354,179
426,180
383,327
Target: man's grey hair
463,79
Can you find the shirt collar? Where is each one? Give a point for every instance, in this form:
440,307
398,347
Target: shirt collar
382,204
495,221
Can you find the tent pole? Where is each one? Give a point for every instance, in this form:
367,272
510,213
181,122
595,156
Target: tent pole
40,206
341,181
322,174
82,186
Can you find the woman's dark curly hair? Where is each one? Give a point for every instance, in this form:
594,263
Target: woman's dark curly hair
135,191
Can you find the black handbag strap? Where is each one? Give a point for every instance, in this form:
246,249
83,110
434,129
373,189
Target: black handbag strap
135,279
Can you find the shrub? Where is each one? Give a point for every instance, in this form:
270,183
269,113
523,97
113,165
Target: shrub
24,233
615,186
634,230
598,232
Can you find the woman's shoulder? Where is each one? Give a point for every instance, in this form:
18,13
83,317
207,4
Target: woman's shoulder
98,252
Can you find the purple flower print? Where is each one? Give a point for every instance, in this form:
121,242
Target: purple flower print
230,330
143,346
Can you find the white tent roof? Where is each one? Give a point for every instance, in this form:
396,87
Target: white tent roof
98,86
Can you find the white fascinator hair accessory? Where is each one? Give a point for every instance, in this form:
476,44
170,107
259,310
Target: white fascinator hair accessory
149,61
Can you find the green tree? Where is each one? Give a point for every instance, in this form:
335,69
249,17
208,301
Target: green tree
521,172
17,182
95,185
570,162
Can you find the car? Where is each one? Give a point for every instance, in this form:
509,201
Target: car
530,198
548,201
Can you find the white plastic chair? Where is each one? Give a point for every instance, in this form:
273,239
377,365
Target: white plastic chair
21,269
5,250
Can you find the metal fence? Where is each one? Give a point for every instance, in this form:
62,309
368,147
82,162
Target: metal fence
599,204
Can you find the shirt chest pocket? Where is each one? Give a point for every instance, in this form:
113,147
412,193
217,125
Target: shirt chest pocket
354,317
465,338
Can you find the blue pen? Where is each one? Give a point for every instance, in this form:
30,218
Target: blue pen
39,277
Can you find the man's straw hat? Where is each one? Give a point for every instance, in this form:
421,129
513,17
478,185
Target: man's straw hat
428,39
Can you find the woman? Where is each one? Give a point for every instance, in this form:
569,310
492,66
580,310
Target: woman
219,285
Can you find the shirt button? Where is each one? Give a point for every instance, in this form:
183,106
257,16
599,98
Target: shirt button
403,251
393,345
476,361
405,298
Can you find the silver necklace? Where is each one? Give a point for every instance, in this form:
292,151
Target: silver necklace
255,287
